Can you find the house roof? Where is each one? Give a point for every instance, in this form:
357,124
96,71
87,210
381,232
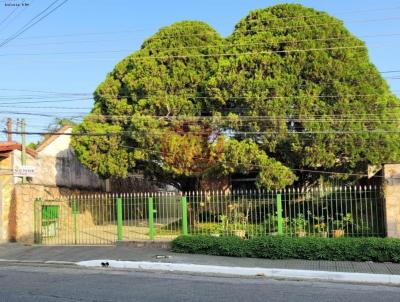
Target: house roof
6,147
52,138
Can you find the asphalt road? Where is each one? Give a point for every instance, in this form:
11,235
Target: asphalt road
37,283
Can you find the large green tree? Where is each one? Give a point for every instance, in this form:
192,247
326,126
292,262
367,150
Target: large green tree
291,87
305,72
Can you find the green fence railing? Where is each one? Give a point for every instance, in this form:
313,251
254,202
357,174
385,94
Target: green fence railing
107,218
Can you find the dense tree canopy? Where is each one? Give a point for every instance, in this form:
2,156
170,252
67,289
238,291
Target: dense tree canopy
291,87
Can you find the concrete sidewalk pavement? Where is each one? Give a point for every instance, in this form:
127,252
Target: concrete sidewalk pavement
20,252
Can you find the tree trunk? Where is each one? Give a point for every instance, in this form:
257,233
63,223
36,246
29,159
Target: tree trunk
197,207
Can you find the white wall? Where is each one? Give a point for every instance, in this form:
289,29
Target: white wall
57,165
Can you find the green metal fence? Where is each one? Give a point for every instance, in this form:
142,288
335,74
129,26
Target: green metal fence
106,218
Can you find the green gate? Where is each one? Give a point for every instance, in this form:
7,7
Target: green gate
104,219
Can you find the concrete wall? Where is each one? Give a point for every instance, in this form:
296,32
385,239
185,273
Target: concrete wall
6,191
391,173
22,208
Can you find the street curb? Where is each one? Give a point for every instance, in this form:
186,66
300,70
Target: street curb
36,262
145,244
271,273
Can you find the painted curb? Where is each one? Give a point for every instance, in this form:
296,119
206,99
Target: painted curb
250,271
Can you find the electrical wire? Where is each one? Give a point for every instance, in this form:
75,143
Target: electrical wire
362,21
8,16
261,166
39,17
266,42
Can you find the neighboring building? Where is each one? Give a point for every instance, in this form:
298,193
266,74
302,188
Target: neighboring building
7,181
57,170
57,165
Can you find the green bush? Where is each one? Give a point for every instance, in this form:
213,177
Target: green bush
281,247
220,229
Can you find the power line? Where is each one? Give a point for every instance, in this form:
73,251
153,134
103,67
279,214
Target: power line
267,42
113,40
230,118
141,58
37,102
8,16
213,32
238,119
44,107
122,133
38,91
15,17
257,166
165,94
168,96
138,58
39,17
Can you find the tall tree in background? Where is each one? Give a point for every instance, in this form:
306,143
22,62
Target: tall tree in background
291,87
326,107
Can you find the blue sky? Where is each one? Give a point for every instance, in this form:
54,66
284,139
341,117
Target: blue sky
115,28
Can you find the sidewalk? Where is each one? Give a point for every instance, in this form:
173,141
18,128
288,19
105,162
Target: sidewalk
19,252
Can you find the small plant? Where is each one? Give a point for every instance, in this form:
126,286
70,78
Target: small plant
300,224
342,224
271,224
236,222
321,226
225,222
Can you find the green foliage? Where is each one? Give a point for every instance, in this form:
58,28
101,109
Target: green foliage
33,146
58,123
245,156
269,74
345,221
278,247
304,84
300,223
227,246
54,126
228,229
209,228
103,154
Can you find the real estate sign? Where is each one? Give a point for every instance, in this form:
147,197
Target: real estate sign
27,171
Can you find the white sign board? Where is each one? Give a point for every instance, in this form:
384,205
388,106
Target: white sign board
27,171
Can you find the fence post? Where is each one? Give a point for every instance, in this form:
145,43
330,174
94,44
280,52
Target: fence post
119,218
74,213
279,213
184,216
151,218
36,223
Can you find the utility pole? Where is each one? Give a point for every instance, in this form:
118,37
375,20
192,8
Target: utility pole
9,130
23,148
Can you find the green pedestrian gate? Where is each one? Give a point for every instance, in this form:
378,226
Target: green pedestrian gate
107,218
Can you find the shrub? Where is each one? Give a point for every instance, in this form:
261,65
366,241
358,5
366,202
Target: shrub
282,247
203,244
220,229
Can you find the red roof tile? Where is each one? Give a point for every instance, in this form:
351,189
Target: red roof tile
11,146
